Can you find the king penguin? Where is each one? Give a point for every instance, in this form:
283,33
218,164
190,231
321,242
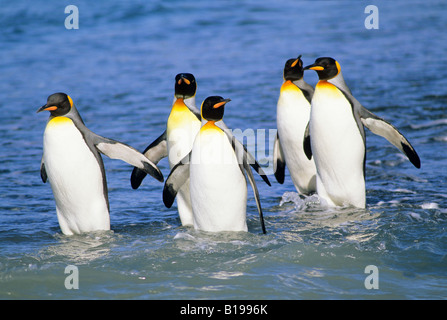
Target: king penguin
72,164
292,117
176,141
215,169
336,137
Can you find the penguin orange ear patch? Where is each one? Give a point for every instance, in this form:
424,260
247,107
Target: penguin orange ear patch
338,67
295,62
179,82
70,100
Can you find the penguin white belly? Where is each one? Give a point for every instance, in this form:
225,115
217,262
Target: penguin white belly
182,129
76,179
293,111
337,147
218,187
180,141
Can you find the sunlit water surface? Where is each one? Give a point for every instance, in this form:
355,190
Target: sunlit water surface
119,68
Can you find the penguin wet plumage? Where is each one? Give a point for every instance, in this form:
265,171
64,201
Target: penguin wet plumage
72,163
292,118
215,169
176,141
336,137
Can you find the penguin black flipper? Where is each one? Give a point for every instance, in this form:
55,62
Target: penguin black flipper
251,179
384,129
176,179
156,151
243,159
117,150
279,163
306,143
43,172
241,152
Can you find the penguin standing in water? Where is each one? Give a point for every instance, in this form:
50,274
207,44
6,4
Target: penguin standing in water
215,169
292,117
177,140
74,167
336,137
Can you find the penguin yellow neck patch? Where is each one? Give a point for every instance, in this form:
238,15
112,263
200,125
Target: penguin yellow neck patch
179,105
210,125
181,116
288,85
328,88
324,84
59,121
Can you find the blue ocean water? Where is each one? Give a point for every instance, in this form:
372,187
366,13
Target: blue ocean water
119,68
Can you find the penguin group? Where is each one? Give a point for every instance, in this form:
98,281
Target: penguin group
320,139
326,125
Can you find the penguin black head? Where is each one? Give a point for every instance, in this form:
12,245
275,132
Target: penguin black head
58,104
213,108
326,68
185,85
293,70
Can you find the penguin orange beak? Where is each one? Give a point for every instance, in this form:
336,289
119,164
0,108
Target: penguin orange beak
314,67
220,104
46,108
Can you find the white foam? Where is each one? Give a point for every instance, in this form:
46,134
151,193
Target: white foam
403,191
416,216
183,235
430,205
429,124
442,139
290,197
301,202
